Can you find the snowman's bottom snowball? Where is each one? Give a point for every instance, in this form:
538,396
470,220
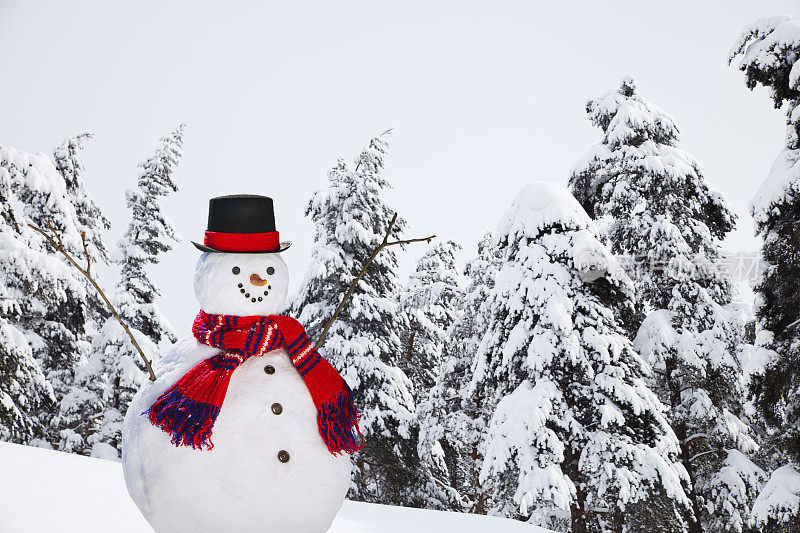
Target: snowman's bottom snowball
239,485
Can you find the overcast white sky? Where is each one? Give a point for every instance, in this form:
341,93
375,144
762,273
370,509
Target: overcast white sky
482,96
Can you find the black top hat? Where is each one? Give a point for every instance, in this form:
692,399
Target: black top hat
241,223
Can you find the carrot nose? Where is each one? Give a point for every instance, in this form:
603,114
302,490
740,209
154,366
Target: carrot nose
256,280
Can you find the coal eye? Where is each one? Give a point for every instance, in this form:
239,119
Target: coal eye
236,270
270,271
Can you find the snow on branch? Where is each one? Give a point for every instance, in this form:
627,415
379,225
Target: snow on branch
385,243
55,241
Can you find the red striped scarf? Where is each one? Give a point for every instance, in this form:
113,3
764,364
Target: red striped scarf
188,410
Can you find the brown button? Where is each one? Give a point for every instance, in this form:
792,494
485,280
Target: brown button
277,408
283,456
269,369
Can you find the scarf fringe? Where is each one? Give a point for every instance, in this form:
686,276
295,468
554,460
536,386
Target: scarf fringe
338,423
189,422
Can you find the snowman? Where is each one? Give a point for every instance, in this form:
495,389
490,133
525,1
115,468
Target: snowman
247,427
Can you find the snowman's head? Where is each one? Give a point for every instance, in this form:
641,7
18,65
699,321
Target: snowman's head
241,284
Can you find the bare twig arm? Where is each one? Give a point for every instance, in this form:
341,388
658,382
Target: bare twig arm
408,241
381,246
58,245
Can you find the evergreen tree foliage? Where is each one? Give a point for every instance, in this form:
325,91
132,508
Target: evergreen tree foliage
350,219
648,197
576,436
114,371
91,219
453,419
92,222
429,301
768,51
23,386
69,427
105,386
57,334
42,302
148,235
655,208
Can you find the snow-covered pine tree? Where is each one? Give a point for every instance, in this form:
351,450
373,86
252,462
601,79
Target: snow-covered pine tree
648,197
23,386
350,219
114,371
107,383
429,300
576,435
655,207
91,220
452,419
70,427
43,303
769,49
148,235
57,335
693,348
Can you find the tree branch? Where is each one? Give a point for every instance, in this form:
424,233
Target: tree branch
86,252
701,454
411,343
789,328
694,437
381,246
59,246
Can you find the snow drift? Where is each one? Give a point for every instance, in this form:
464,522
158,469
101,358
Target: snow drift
42,488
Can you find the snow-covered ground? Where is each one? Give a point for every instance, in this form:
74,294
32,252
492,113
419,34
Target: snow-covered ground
43,490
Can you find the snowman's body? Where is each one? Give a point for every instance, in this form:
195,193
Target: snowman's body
269,469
